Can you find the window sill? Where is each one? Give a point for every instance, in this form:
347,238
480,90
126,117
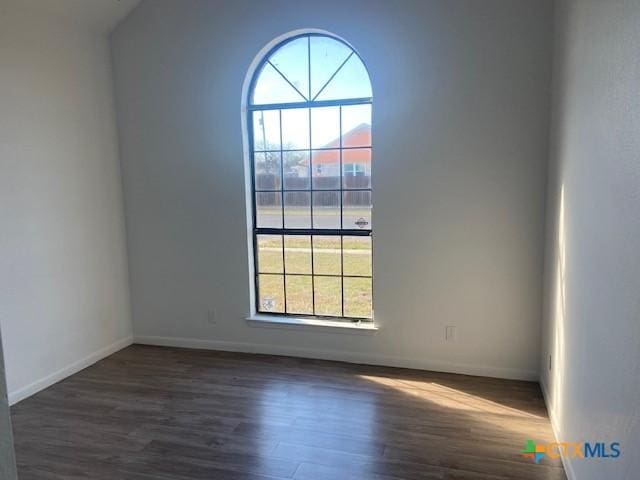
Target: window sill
342,326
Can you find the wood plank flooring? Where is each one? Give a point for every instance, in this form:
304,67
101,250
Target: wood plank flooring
175,414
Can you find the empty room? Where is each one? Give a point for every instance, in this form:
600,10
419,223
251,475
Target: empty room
319,239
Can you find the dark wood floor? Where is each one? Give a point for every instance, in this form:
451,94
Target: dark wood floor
164,413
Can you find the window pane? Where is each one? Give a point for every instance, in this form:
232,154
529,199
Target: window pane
326,169
327,54
299,294
296,170
297,210
271,296
267,169
326,209
266,130
292,59
356,126
356,168
270,254
357,255
328,296
295,129
326,255
268,210
325,127
357,297
356,210
272,88
297,253
352,81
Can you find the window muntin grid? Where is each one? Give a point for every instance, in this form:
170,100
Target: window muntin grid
311,218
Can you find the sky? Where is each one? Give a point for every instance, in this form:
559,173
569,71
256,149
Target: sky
325,125
292,60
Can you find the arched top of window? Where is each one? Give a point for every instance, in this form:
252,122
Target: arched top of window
310,68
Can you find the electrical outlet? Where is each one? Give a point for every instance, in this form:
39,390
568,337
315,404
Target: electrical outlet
211,316
450,333
549,362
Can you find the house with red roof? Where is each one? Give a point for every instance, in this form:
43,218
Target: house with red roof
356,157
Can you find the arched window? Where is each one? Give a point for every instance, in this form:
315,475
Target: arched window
309,128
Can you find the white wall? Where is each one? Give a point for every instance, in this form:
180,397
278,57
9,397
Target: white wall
460,139
64,298
592,288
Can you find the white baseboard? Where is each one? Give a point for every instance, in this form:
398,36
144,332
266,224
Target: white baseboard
75,367
342,356
566,461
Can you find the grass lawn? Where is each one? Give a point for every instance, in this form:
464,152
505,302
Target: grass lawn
356,260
